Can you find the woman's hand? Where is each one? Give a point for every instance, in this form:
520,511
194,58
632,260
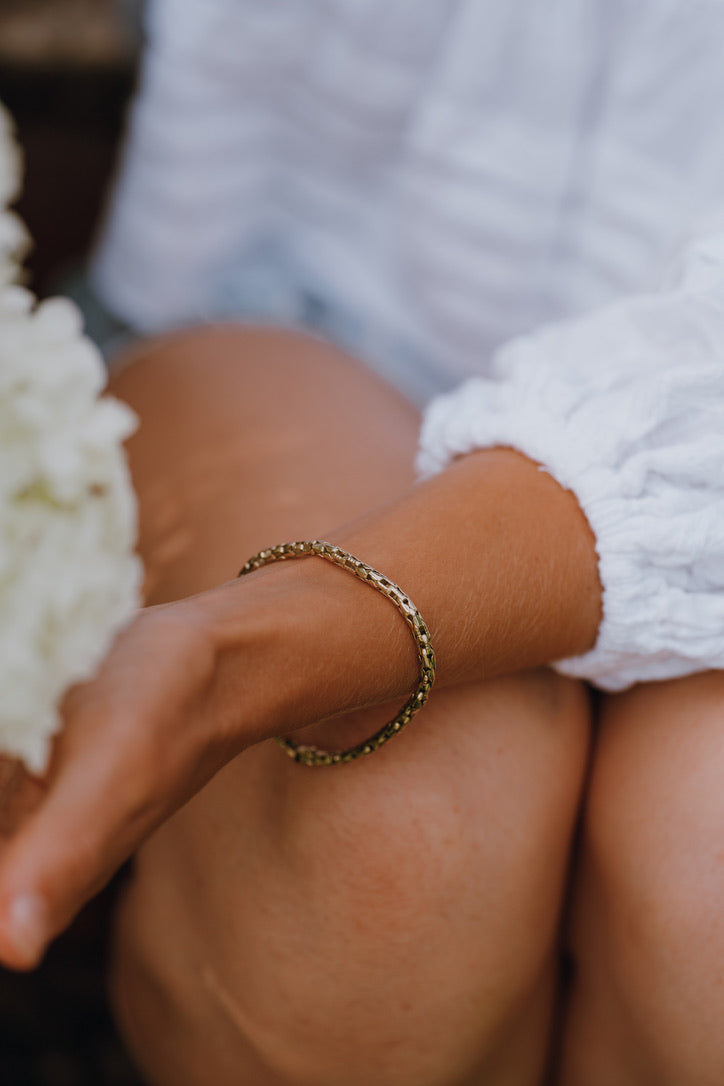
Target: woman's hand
138,741
186,687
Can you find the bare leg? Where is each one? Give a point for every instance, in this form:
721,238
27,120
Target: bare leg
387,922
648,932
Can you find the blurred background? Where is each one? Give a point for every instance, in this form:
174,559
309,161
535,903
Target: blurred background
67,69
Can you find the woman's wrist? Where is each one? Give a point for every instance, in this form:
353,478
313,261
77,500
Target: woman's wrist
496,555
300,642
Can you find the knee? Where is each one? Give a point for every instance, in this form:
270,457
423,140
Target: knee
204,349
426,891
249,436
653,818
648,922
258,373
394,921
211,380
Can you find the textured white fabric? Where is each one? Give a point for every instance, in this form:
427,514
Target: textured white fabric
429,181
626,408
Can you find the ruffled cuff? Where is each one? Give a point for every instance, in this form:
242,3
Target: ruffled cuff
626,409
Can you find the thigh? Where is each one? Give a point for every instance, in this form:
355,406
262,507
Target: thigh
648,928
389,921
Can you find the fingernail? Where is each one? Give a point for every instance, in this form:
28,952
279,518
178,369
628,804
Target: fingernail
27,921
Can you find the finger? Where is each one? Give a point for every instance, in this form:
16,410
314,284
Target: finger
20,795
94,816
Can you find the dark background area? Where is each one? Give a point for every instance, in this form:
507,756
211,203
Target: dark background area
55,1023
69,124
67,68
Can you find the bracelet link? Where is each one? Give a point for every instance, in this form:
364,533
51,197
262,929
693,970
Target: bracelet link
306,754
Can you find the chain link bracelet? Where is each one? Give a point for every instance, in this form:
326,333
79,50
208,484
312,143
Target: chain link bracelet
314,756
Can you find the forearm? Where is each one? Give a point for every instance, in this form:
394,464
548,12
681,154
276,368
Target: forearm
495,554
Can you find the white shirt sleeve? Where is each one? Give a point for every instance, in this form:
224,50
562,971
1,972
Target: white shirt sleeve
624,407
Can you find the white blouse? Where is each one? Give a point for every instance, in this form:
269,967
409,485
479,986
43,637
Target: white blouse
516,194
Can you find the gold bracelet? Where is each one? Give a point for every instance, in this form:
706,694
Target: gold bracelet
310,755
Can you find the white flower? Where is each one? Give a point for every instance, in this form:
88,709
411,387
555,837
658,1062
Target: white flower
10,160
14,239
68,577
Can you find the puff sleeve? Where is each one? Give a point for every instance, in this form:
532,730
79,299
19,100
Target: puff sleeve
624,407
